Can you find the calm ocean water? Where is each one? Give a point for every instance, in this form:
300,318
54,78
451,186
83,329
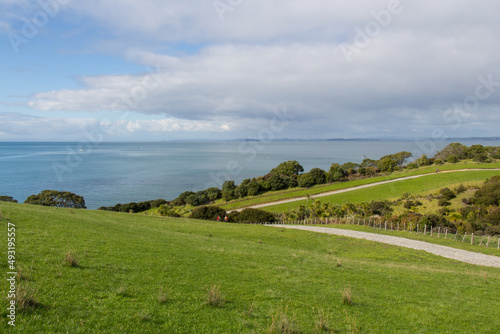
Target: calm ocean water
110,173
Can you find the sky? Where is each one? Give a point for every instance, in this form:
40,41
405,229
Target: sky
151,70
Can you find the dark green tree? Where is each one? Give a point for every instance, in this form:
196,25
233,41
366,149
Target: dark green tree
7,199
456,149
60,199
228,190
288,168
336,173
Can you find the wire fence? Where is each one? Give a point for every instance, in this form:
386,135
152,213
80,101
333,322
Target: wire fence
481,240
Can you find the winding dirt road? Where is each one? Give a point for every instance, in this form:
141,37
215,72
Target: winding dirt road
448,252
355,188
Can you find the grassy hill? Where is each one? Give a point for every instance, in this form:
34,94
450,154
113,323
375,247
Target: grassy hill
396,189
140,274
302,192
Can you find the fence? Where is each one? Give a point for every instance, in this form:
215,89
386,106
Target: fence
423,229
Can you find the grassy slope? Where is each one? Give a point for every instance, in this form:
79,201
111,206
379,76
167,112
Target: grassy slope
395,189
126,259
302,192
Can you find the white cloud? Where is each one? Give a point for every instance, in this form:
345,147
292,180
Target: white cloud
15,126
424,60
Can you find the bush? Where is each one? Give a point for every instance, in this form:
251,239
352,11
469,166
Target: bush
452,159
411,165
447,194
443,202
336,173
251,216
461,188
7,199
489,193
60,199
208,213
381,208
228,190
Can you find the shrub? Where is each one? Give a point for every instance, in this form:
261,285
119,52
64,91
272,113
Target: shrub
60,199
214,297
252,216
411,165
452,159
71,260
25,298
336,173
7,199
381,208
208,213
443,202
461,188
347,296
489,193
447,194
283,324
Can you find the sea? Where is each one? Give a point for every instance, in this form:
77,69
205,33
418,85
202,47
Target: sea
109,173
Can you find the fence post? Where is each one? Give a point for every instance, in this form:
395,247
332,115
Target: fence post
439,232
398,226
446,233
431,231
386,225
456,233
472,239
464,237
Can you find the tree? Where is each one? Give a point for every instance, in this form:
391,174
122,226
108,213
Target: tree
456,149
318,175
306,180
288,168
350,167
401,157
253,188
278,182
387,165
368,163
228,190
182,199
423,161
60,199
7,199
336,173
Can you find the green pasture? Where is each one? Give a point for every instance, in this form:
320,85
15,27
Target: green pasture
137,274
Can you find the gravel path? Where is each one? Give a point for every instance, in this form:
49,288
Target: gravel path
355,188
448,252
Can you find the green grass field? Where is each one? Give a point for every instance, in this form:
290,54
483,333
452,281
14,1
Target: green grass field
302,192
140,274
395,189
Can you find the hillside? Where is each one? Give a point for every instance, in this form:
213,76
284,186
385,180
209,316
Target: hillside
140,274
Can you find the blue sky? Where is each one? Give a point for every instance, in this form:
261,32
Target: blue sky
220,69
